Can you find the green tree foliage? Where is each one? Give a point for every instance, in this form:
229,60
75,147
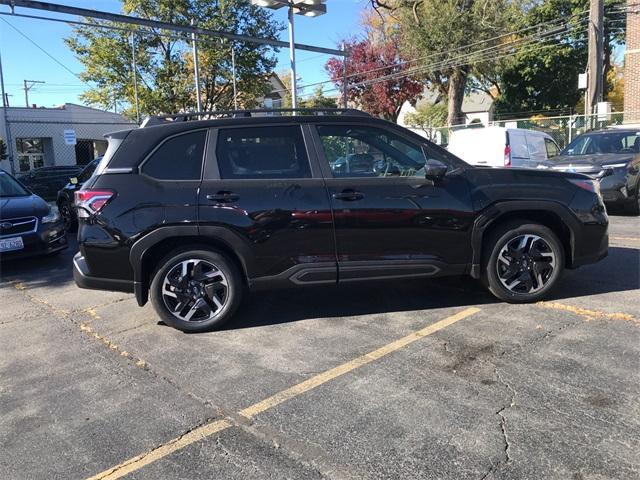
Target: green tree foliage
164,60
318,100
543,76
3,149
428,117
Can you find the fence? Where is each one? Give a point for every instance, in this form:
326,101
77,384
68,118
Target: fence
563,129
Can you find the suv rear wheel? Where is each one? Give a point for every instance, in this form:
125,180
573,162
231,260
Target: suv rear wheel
522,262
195,290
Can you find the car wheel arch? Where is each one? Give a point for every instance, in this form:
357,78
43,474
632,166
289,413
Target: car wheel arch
150,249
549,214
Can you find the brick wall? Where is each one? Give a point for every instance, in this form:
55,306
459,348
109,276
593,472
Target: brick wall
632,64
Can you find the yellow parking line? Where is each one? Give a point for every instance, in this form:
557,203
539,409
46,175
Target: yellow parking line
324,377
209,429
589,314
634,239
136,463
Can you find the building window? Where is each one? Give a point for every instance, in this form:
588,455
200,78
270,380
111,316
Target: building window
30,153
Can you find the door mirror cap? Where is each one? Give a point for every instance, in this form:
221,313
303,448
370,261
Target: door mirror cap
434,170
73,180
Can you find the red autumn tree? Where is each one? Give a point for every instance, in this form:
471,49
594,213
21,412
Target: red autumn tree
377,78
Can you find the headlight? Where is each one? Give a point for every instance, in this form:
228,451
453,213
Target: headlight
615,165
52,216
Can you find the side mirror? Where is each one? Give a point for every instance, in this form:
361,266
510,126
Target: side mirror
434,170
73,180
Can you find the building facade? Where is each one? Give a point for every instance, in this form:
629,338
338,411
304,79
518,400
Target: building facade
632,65
66,135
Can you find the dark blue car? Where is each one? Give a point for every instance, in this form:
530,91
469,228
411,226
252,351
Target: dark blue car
28,225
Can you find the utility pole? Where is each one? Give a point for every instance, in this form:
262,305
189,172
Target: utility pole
196,68
28,85
135,76
596,55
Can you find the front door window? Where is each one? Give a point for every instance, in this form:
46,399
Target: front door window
355,151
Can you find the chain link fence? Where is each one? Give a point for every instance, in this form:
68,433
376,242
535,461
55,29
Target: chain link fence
563,129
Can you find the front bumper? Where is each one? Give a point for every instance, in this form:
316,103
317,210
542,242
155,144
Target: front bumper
615,187
83,279
47,239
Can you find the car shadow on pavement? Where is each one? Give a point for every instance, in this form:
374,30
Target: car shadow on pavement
618,272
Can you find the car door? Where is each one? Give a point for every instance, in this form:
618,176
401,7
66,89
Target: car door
263,194
391,221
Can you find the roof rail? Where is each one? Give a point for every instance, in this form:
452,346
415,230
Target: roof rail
191,116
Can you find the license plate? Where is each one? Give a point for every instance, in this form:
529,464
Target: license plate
9,244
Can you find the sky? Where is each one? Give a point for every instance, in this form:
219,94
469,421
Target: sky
22,60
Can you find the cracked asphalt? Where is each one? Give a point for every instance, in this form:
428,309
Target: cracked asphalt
405,379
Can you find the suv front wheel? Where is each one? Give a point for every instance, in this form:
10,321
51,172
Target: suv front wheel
523,262
196,290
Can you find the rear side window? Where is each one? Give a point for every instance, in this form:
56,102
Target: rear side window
262,152
552,148
178,158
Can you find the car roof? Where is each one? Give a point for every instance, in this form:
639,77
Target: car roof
633,131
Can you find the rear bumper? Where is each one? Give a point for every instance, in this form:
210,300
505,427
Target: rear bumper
84,280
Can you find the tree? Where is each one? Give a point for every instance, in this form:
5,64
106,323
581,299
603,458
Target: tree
439,35
318,100
164,60
3,150
377,77
543,76
427,118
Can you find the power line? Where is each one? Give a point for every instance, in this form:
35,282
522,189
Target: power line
45,52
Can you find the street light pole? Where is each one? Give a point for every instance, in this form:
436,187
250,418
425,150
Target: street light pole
135,76
7,131
307,8
292,58
233,72
196,68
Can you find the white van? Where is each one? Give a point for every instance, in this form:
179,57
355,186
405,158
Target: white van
502,147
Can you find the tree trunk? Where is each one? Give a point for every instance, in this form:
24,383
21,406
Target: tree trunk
457,84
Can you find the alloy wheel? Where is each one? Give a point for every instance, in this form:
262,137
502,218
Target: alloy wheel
525,264
195,290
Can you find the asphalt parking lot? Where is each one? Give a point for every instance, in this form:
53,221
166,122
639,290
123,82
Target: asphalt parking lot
419,379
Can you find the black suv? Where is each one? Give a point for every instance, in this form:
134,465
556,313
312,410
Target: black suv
192,212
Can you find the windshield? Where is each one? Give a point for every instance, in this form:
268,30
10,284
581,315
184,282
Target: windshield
601,143
9,187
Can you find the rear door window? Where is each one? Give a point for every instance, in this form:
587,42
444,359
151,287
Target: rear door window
262,152
178,158
518,145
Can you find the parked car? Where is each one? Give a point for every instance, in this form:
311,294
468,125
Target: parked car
28,225
192,212
611,157
65,200
502,147
46,181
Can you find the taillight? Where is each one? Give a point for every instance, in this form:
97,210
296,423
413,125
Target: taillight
588,185
89,202
507,156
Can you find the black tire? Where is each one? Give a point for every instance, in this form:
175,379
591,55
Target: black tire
537,266
69,218
168,278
